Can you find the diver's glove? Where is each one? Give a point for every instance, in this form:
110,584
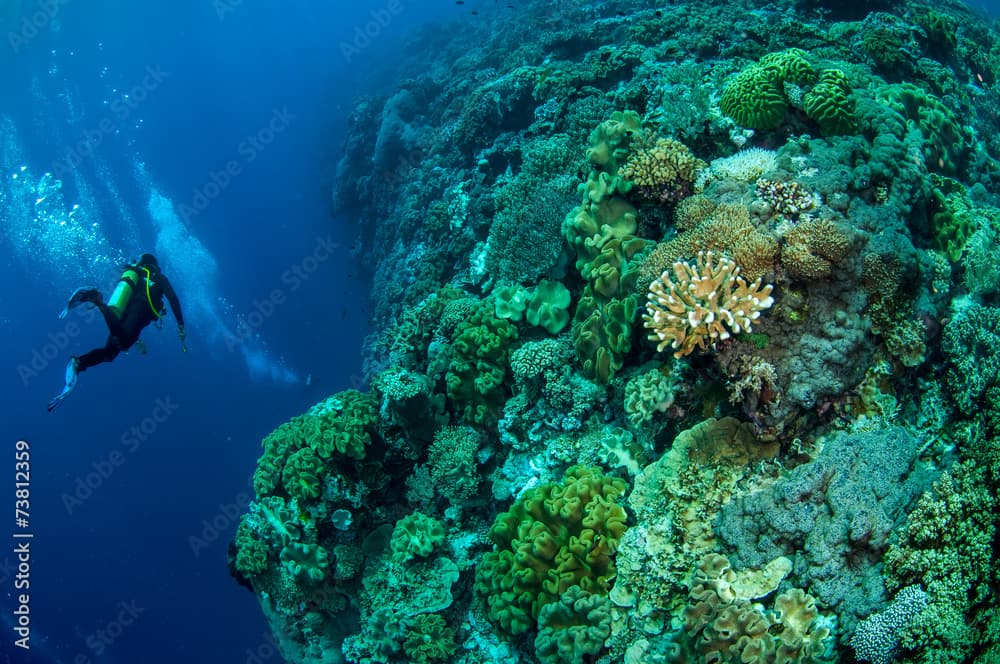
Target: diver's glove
182,335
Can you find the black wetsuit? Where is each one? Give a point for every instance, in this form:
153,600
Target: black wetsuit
135,317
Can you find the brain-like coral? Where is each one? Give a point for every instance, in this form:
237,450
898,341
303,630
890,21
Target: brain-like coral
829,103
754,98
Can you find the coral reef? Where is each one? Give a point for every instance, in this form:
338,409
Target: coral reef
804,195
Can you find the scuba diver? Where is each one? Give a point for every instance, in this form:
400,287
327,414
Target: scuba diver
136,302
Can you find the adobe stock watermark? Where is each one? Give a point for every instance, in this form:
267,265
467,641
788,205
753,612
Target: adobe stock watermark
267,649
366,33
224,8
56,343
100,640
220,524
129,442
33,24
246,152
121,107
292,279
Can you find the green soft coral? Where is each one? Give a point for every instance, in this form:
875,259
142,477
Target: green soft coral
278,445
343,423
573,629
554,537
415,536
946,144
602,324
478,369
251,550
954,218
602,334
429,639
307,563
609,142
302,477
548,306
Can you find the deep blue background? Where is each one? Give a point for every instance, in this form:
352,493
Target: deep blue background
130,540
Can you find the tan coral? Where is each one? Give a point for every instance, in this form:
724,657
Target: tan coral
692,211
812,247
662,173
724,626
703,304
727,230
647,394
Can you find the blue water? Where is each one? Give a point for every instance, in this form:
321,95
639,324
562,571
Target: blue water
139,109
137,480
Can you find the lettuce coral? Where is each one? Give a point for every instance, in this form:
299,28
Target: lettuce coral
574,628
554,537
415,536
478,369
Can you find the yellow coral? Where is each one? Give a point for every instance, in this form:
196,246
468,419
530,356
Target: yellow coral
707,302
662,173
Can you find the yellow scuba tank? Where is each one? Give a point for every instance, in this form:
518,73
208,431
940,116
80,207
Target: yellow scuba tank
123,291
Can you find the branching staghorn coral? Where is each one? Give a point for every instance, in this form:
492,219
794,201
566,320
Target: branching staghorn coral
708,302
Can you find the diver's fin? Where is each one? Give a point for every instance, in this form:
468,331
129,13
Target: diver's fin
72,370
79,296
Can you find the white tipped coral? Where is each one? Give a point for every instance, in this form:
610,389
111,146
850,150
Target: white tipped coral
704,303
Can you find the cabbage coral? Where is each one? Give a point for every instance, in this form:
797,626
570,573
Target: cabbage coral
707,302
